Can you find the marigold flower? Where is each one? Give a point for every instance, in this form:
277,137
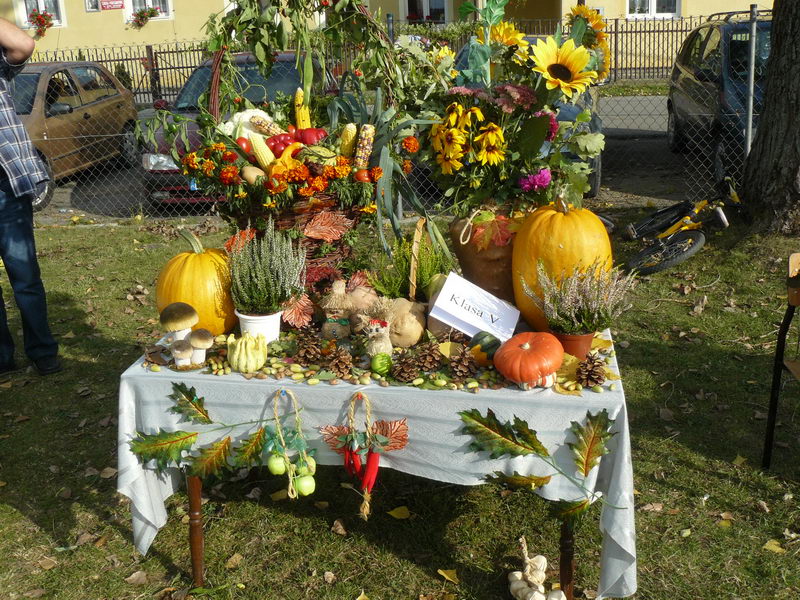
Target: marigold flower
408,166
410,144
239,239
329,172
343,161
318,184
269,204
342,171
306,191
369,209
276,184
297,174
229,156
189,161
375,173
208,168
217,147
229,175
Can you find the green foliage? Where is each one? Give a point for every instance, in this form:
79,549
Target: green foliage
164,447
212,459
188,404
252,450
528,482
570,511
266,272
391,276
452,34
121,73
592,438
500,439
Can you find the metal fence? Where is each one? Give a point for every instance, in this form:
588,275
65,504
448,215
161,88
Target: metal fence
88,142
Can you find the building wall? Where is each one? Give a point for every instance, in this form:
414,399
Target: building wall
83,29
617,9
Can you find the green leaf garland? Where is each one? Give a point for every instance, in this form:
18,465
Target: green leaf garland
164,447
188,405
530,482
591,440
500,439
212,459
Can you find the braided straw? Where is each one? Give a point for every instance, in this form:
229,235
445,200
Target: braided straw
466,232
290,468
364,510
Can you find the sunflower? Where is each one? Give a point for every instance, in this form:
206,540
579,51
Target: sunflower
491,134
452,141
604,57
504,33
563,67
442,52
449,164
593,18
491,154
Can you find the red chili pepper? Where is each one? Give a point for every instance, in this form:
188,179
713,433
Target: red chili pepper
358,467
371,471
348,460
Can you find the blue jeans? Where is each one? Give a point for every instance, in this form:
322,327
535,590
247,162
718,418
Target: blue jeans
18,251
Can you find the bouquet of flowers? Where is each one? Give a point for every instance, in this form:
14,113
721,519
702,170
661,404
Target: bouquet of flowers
140,18
42,21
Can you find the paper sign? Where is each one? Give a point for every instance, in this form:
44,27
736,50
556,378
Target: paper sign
111,4
470,309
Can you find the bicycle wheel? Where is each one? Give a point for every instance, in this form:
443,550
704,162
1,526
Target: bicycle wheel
658,221
658,257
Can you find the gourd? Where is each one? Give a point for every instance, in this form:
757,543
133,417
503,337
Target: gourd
201,278
247,354
563,238
483,347
530,359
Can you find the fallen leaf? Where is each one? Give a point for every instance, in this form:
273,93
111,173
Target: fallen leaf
724,523
328,577
362,596
686,533
759,416
21,418
3,484
137,578
665,414
101,541
234,561
108,472
338,527
560,389
6,385
653,507
726,516
774,546
254,494
279,495
739,460
762,506
90,472
46,563
68,336
37,593
85,538
450,349
401,512
450,575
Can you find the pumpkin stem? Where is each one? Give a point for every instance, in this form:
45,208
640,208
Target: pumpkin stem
194,241
525,346
561,204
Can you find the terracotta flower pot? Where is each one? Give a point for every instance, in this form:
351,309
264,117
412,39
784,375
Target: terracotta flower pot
578,345
489,269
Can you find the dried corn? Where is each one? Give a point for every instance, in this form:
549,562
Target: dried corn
263,154
265,126
348,140
364,146
302,116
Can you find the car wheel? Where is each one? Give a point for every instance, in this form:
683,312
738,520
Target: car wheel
46,190
675,139
595,177
129,147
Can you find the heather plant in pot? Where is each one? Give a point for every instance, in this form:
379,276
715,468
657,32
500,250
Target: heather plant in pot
580,303
266,273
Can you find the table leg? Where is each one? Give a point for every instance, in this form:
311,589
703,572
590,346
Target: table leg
566,561
196,543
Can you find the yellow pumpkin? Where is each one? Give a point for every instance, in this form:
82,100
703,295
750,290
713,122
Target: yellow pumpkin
563,238
200,278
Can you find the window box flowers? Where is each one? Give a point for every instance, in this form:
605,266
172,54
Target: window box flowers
41,21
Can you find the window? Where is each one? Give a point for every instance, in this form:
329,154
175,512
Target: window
51,6
161,5
662,9
690,55
61,90
712,55
23,92
92,5
95,83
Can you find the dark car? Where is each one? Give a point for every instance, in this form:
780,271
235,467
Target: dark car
567,112
164,181
708,87
77,114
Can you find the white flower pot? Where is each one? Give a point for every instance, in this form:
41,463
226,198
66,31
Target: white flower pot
267,325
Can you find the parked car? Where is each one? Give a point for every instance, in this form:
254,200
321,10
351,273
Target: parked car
708,87
77,114
164,181
567,112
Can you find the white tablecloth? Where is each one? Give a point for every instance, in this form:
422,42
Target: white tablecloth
436,448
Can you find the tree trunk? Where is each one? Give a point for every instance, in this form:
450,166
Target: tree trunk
772,171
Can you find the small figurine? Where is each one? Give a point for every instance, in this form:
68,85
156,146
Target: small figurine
337,307
407,322
378,327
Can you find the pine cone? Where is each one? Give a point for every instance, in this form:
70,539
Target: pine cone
308,349
459,338
463,365
405,369
428,357
341,362
592,371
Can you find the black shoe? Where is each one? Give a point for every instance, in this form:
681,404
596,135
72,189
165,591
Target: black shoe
47,365
8,369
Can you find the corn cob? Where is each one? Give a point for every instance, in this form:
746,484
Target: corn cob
265,126
302,116
364,147
348,140
261,151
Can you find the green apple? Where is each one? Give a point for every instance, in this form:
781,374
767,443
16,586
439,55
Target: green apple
309,468
276,464
305,485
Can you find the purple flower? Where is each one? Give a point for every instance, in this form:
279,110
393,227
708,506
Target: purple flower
553,128
535,182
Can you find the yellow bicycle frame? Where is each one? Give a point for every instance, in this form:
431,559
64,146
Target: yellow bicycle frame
688,222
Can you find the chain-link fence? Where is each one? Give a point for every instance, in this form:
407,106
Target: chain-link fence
678,84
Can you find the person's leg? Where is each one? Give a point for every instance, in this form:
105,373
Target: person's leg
18,251
6,341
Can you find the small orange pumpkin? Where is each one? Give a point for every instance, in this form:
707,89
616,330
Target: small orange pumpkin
200,278
530,359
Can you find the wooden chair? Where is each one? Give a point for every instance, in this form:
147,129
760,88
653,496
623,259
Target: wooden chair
781,363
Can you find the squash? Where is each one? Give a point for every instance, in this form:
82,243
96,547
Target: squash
530,359
200,278
483,347
564,239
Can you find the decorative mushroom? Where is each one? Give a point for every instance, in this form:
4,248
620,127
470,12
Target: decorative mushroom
556,595
201,340
178,319
182,353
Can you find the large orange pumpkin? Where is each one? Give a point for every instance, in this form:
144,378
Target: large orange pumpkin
564,239
530,359
200,278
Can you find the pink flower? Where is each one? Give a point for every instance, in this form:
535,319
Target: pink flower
521,95
553,127
535,182
460,90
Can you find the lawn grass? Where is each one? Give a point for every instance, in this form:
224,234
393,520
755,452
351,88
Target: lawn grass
697,388
634,87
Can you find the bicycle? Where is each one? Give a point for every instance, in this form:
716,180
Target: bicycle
677,231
